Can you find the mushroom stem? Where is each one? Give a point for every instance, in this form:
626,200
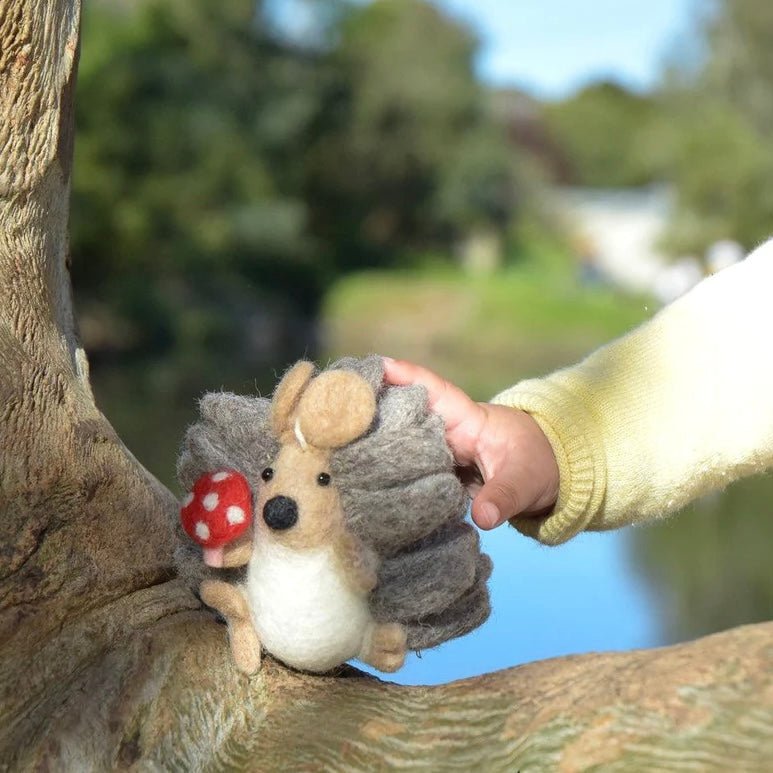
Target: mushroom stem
214,557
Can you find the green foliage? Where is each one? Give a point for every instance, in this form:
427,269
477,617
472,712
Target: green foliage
188,121
723,116
220,167
482,332
410,159
738,70
723,174
610,136
708,130
478,186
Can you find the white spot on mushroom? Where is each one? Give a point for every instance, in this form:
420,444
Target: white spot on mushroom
218,477
210,501
188,499
234,514
202,530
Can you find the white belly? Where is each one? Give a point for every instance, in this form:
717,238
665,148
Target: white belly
303,611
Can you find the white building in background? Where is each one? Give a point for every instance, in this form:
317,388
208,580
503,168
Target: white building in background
621,229
676,278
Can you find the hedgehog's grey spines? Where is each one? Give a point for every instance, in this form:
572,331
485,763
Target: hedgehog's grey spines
464,615
371,368
400,495
404,407
233,432
397,482
388,519
429,577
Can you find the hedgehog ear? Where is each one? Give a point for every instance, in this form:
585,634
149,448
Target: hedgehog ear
336,408
287,395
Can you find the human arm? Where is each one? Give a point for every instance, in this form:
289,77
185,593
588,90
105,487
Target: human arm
681,406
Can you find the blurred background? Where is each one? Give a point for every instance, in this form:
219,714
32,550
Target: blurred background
490,188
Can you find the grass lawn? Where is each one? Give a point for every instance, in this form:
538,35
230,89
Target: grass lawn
483,332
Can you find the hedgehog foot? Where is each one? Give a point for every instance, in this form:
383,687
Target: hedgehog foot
385,647
228,600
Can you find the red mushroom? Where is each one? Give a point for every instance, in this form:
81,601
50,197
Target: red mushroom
217,511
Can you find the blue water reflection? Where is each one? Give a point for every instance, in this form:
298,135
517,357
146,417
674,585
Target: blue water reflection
580,597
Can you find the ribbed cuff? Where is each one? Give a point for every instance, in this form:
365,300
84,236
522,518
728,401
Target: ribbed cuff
569,427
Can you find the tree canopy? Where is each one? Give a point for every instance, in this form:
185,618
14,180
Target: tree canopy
723,119
610,136
219,159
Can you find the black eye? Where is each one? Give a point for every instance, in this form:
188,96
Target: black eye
323,479
267,474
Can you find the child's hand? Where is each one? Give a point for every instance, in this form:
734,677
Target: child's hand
508,464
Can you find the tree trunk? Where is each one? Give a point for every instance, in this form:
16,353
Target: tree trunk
107,660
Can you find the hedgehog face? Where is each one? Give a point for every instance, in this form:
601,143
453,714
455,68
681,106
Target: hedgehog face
312,417
298,505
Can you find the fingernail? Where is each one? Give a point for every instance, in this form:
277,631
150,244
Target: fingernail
387,359
489,514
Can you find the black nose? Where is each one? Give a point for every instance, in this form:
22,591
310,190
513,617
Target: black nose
280,512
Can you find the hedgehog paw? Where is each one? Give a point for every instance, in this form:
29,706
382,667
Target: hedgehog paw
228,600
386,647
245,646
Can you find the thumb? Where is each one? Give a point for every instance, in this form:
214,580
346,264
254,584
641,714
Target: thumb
496,502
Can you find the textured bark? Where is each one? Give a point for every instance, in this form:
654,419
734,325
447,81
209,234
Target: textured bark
86,544
170,699
106,660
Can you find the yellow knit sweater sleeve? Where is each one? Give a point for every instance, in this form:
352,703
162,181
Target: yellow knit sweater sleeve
679,407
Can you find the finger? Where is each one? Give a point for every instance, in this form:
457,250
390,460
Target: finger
496,502
444,398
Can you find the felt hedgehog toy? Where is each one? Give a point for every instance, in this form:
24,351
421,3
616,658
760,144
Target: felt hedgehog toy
358,547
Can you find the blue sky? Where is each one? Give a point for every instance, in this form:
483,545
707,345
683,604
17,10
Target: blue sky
552,47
